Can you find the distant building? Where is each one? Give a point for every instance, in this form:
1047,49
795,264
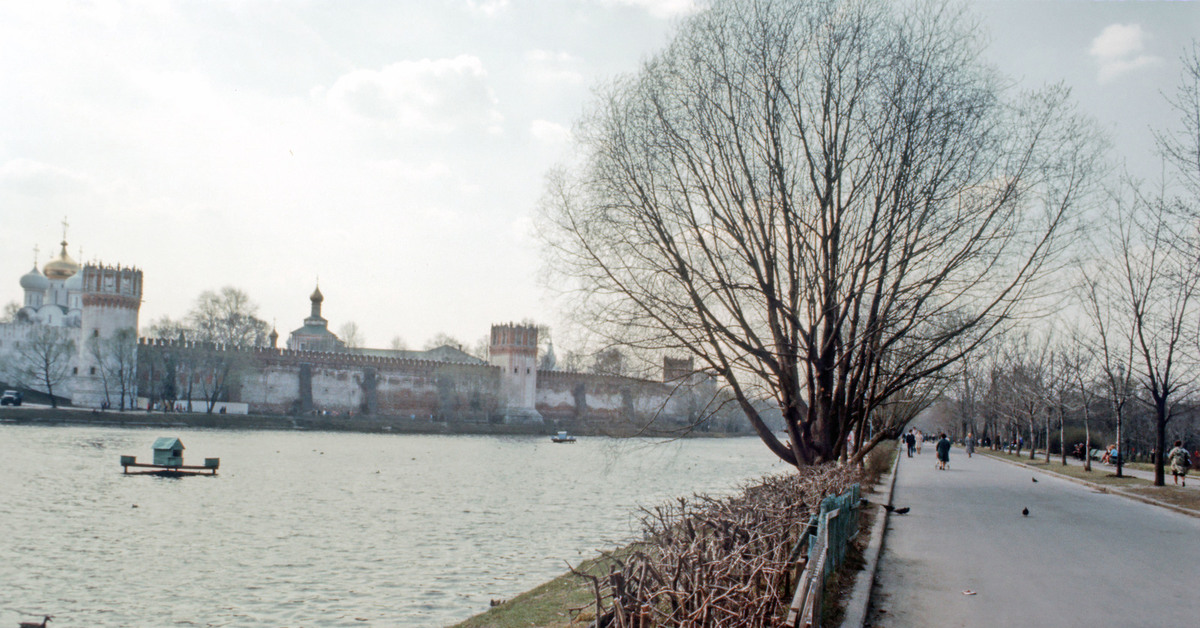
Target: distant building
318,374
315,334
90,303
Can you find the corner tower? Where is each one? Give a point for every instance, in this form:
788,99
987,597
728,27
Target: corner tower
111,298
513,348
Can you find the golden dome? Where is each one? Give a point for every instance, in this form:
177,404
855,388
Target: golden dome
61,268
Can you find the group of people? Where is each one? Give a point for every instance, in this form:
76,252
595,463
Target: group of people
914,437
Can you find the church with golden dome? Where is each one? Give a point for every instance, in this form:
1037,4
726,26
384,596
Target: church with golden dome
90,305
54,295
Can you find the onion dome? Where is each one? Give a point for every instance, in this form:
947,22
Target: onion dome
316,296
33,280
75,283
63,267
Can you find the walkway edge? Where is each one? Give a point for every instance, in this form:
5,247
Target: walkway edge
1105,489
855,615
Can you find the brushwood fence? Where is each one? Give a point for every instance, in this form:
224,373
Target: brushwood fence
725,562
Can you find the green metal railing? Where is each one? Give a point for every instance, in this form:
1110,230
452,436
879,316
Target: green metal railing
829,534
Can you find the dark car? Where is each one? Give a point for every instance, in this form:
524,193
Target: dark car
11,398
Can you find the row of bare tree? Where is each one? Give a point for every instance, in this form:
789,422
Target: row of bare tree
835,204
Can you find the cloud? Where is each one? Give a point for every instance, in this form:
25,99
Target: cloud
546,132
1120,48
35,178
487,7
660,8
440,95
544,66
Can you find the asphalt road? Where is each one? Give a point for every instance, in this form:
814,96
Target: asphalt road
1081,558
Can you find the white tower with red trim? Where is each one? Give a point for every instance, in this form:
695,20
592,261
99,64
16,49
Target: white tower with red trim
514,349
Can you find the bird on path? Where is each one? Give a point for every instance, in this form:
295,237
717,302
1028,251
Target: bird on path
902,511
1025,512
29,624
889,507
1034,480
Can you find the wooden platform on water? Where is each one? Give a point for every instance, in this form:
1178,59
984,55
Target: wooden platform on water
209,468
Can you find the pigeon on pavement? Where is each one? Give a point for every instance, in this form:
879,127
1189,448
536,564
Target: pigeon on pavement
1025,511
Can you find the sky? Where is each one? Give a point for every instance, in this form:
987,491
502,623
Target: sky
394,150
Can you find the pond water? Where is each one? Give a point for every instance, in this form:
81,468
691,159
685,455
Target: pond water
321,529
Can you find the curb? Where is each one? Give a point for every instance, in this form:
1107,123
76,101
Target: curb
855,615
1104,489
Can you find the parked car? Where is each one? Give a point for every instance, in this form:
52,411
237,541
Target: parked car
11,398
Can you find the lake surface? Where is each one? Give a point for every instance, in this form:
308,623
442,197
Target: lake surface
321,529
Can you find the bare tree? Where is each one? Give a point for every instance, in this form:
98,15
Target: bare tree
222,323
397,344
116,363
9,313
826,201
351,335
442,339
1080,366
1181,145
43,359
1157,274
162,370
98,349
1112,341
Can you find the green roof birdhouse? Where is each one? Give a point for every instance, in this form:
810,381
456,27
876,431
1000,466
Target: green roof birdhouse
168,452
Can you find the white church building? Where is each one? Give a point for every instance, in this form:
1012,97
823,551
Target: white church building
89,304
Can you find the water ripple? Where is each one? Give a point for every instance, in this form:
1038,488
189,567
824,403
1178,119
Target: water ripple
305,529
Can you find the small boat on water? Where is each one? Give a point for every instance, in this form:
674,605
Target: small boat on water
562,437
168,461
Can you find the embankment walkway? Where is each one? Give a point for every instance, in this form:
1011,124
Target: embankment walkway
1081,558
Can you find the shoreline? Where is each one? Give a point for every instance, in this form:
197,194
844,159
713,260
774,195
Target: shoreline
26,415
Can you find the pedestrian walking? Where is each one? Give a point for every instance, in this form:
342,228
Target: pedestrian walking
920,439
911,440
1180,463
943,452
969,443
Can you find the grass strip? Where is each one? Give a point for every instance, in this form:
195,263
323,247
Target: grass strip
1175,495
549,605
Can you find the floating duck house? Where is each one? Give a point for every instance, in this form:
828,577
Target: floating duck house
168,452
168,461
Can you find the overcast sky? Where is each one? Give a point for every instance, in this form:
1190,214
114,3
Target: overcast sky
396,149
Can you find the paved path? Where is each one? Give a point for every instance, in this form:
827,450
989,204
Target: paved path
966,532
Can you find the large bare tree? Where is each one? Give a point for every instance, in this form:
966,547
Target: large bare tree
222,324
42,360
825,202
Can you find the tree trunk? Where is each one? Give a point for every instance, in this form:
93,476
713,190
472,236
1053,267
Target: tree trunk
1160,441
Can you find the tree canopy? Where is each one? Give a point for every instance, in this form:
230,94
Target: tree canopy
825,202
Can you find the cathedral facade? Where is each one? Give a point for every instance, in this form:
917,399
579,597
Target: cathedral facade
75,333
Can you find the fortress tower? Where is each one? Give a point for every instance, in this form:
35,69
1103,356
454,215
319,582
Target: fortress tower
514,349
111,299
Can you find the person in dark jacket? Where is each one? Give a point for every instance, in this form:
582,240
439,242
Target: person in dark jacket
910,439
943,452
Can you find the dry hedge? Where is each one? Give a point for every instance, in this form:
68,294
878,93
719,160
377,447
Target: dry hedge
716,562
